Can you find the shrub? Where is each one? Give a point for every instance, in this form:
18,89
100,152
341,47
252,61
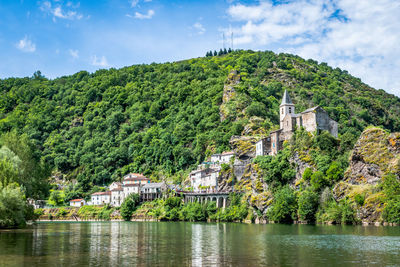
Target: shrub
105,212
192,212
38,212
318,180
391,212
334,172
62,212
307,174
359,199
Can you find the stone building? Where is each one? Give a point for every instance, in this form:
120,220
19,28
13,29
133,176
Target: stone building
205,180
152,191
313,119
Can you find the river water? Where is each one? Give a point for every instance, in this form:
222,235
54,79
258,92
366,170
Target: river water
198,244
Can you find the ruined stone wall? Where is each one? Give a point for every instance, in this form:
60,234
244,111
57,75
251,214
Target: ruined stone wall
309,121
323,120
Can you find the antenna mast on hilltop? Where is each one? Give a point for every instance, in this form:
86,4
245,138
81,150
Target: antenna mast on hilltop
223,40
231,39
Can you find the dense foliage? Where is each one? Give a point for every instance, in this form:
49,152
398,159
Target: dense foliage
129,206
14,210
173,209
163,118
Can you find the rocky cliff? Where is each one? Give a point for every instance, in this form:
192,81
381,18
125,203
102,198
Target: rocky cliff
376,154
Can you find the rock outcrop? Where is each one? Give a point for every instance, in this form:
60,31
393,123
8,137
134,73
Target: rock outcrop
244,146
229,93
375,154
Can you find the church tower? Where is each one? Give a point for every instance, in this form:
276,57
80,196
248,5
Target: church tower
286,107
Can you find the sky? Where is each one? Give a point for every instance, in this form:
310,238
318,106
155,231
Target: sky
61,37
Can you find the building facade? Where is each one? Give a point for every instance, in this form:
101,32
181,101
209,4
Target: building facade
313,120
77,202
118,191
152,191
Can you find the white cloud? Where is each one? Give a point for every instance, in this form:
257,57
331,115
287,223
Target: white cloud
26,45
100,62
134,3
199,27
149,15
74,53
58,11
360,36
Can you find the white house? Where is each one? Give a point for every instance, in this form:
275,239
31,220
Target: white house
222,158
101,198
117,196
135,178
131,189
204,180
114,185
79,202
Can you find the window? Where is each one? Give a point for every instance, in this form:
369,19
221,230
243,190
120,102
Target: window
282,110
290,110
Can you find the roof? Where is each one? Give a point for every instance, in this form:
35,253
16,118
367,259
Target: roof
153,185
76,200
311,109
117,189
228,153
276,131
117,183
135,177
101,193
132,185
286,98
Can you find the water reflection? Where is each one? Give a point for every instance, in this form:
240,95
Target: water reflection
198,244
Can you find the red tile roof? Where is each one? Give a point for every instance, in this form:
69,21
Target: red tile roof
76,200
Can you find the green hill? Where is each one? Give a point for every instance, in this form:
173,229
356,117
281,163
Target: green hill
161,119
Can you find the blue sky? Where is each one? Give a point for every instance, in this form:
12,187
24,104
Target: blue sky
63,37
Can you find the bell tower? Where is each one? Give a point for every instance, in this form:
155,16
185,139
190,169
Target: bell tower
286,107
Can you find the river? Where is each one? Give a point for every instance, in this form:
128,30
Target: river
198,244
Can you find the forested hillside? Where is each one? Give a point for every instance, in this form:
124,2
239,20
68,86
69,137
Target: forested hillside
162,119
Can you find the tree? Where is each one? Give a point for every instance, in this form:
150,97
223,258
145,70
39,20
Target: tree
129,206
284,206
14,210
308,205
56,198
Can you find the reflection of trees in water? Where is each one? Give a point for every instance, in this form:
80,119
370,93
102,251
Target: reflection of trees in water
196,244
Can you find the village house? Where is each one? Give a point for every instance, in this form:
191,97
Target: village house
224,157
117,196
131,184
205,177
152,191
101,198
313,119
205,180
77,202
